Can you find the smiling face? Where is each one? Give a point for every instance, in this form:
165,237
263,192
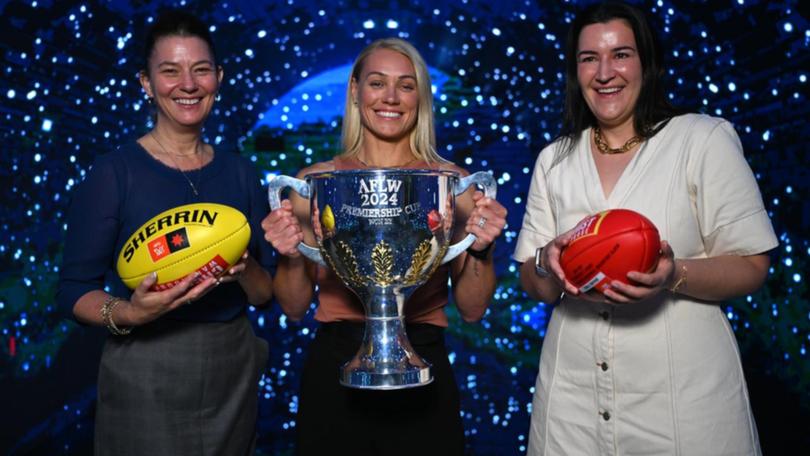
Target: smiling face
609,71
183,80
387,96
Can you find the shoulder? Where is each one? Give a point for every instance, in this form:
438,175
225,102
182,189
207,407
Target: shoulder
117,158
552,153
319,167
455,168
698,125
236,159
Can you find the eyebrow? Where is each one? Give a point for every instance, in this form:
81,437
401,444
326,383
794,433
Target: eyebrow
616,49
199,62
379,73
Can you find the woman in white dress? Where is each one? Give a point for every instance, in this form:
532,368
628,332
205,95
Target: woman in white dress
651,368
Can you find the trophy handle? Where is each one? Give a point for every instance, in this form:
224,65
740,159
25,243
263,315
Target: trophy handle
484,180
274,188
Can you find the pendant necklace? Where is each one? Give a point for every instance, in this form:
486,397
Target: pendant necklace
199,172
604,148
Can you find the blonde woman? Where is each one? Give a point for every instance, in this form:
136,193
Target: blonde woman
388,123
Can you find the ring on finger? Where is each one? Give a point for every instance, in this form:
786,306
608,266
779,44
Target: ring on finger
481,222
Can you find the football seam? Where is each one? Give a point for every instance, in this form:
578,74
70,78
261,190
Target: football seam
578,254
614,233
232,234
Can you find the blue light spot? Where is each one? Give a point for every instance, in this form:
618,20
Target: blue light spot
11,93
496,31
797,277
368,24
392,24
46,124
788,27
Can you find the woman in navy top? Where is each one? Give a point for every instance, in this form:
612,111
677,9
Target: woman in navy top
179,373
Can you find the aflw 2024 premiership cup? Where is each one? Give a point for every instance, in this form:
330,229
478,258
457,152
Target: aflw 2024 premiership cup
383,232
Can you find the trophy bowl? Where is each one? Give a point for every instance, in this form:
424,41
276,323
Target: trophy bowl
383,232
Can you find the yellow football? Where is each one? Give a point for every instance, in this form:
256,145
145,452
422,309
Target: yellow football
328,218
203,238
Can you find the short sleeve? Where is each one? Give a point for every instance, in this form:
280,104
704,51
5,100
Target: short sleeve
732,216
92,229
539,226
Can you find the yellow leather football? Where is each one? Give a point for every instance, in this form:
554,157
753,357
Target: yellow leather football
204,239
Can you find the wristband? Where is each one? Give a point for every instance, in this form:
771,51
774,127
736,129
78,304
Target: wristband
480,254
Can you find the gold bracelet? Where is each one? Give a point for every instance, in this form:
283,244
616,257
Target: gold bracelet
681,282
106,317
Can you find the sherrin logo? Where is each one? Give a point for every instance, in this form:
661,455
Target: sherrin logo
589,226
203,239
170,242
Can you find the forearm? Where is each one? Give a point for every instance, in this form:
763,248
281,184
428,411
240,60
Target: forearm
541,288
294,286
88,308
474,286
721,278
257,283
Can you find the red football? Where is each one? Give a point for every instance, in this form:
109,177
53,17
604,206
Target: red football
608,245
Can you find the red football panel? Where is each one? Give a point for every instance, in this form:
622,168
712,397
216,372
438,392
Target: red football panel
613,255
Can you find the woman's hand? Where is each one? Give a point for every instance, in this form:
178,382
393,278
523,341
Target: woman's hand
145,305
486,221
550,261
234,273
283,231
646,285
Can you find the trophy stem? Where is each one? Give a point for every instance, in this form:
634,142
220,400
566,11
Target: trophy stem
386,360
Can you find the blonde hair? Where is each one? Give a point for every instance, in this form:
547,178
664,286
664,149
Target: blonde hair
422,138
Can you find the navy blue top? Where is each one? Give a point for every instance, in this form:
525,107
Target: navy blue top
127,187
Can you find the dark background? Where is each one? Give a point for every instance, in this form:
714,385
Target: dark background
69,92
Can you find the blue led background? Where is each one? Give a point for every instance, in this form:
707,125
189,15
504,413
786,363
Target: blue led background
69,91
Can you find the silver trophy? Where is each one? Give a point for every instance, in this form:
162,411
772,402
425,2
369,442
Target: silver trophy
383,232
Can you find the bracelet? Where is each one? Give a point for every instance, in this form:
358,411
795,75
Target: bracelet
106,317
681,282
480,254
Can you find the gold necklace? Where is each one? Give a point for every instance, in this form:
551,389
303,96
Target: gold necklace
177,166
604,148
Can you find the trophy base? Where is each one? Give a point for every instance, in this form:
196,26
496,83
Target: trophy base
413,377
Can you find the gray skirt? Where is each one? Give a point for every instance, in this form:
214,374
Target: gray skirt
180,388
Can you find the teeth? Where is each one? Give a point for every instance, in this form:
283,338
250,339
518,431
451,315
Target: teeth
186,101
609,90
388,114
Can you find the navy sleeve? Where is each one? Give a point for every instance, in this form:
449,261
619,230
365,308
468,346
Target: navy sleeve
263,251
92,230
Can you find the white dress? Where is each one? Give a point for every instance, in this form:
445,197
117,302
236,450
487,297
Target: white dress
662,377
